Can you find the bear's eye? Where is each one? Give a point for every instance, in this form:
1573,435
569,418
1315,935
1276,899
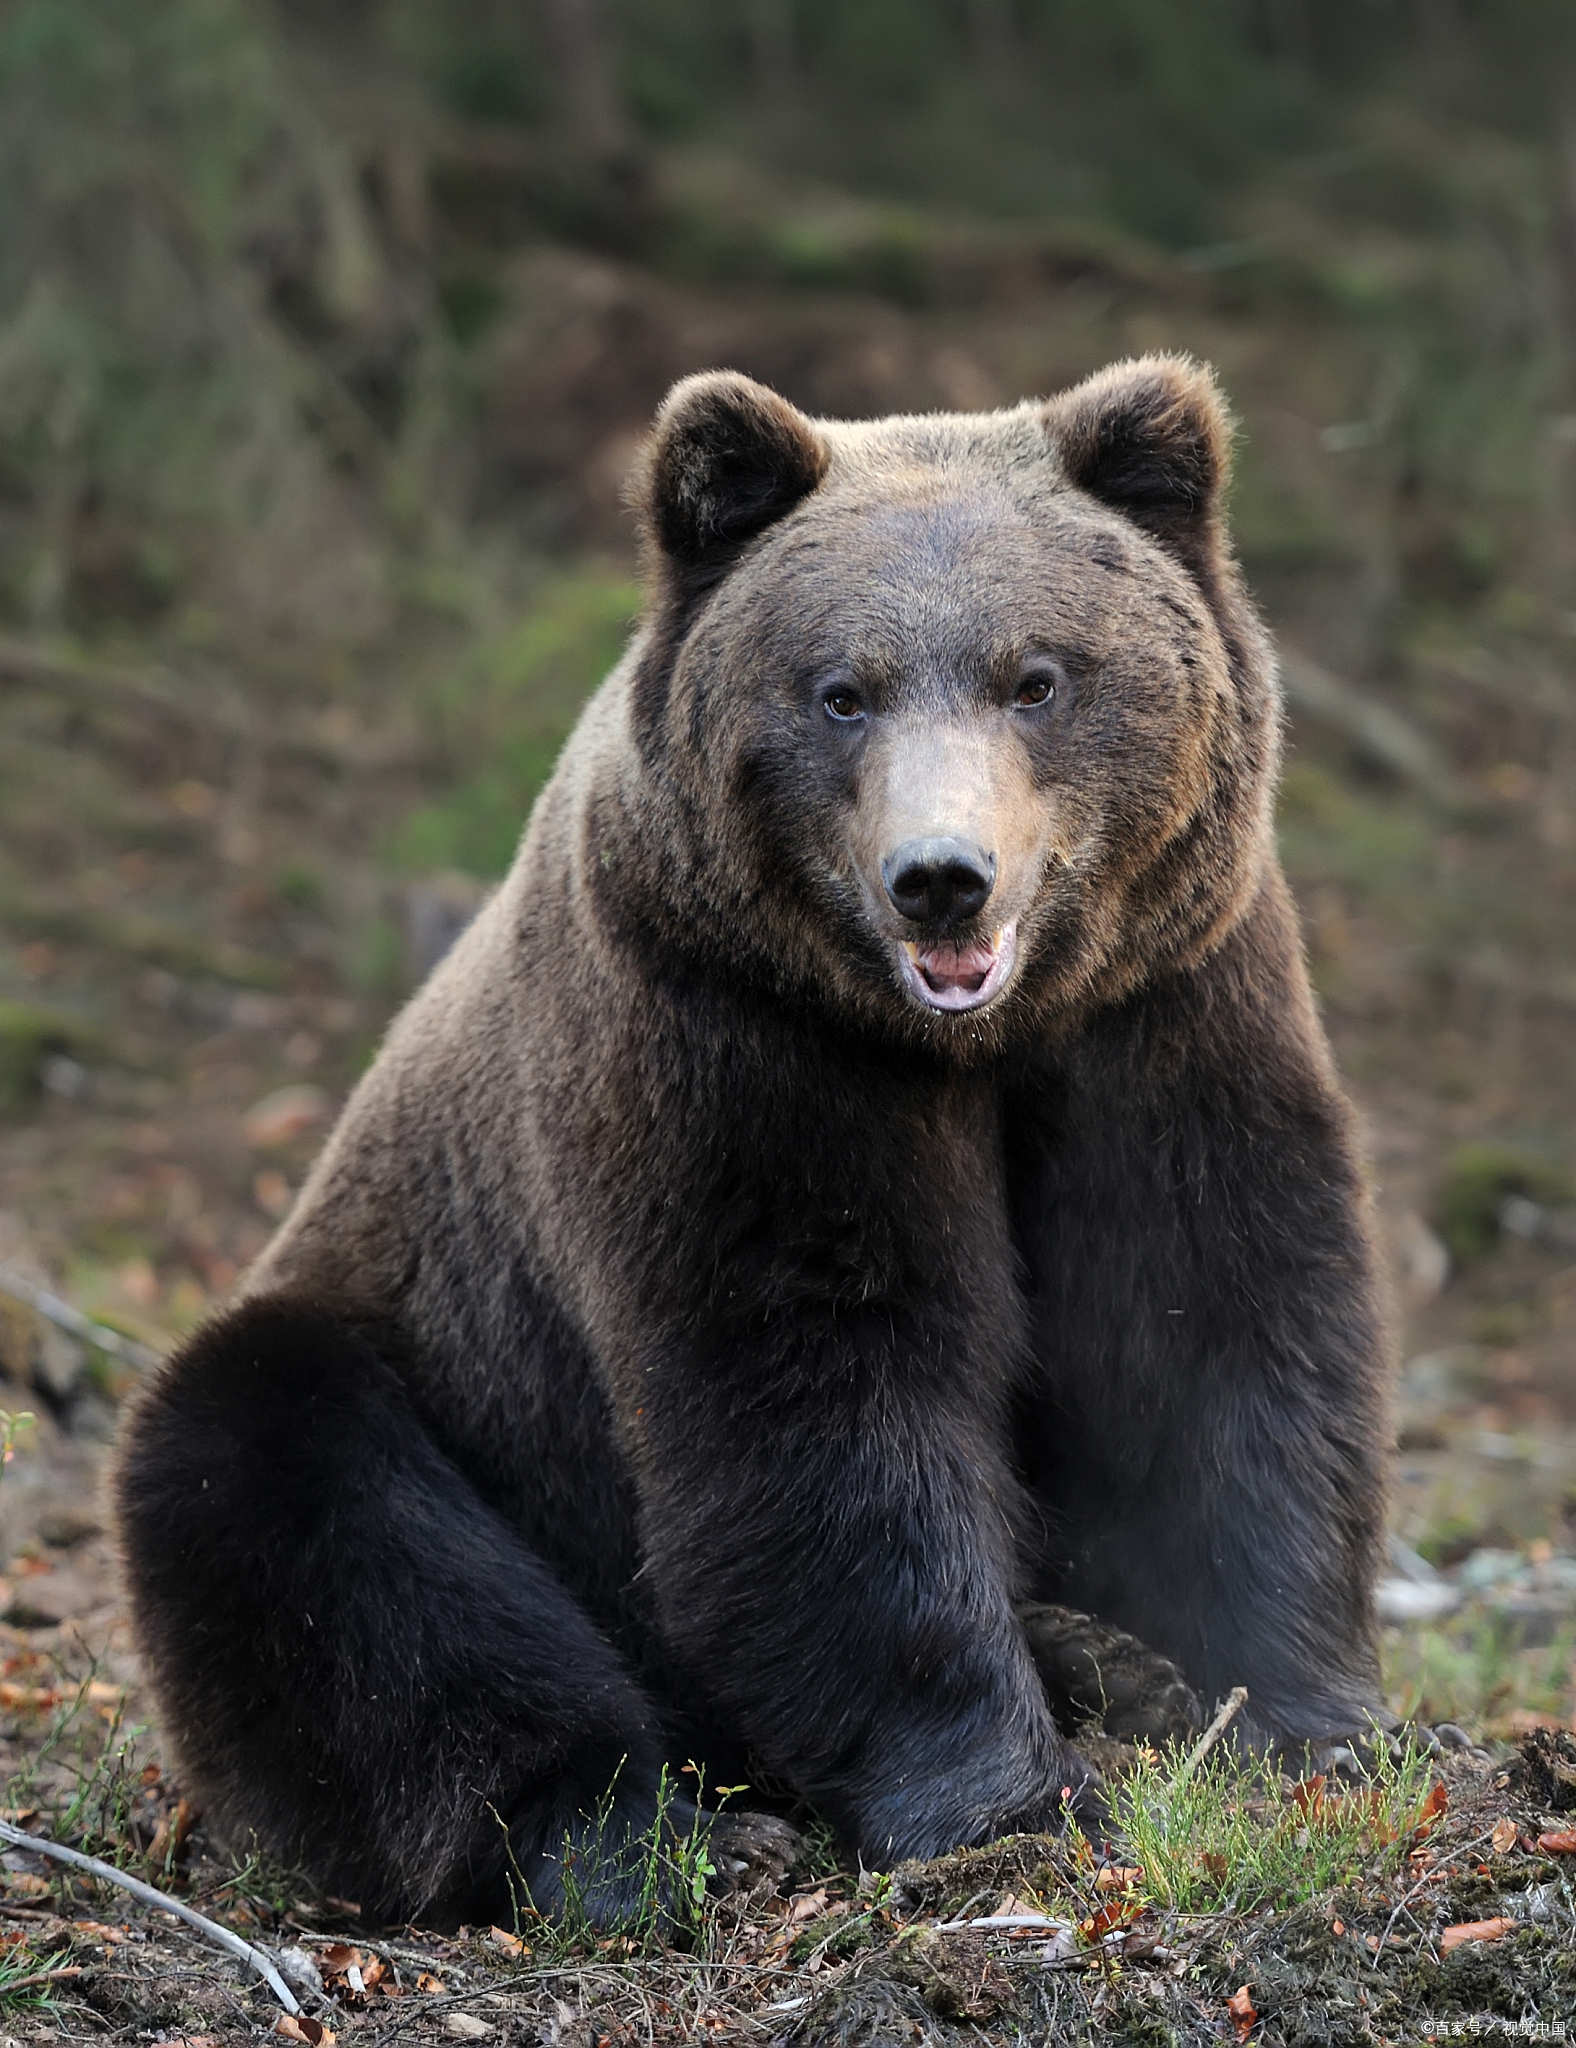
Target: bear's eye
842,705
1035,687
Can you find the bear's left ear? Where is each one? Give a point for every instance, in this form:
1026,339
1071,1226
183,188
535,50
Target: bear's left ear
727,459
1152,439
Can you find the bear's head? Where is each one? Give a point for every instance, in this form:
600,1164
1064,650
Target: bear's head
957,723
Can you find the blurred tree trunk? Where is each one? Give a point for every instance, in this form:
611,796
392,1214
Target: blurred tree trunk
991,33
773,57
591,102
1290,32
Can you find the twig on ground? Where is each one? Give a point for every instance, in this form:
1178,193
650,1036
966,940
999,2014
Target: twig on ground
33,1977
997,1920
41,1977
1232,1705
106,1873
85,1328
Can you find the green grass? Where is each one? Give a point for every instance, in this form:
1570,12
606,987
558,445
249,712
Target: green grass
1234,1836
502,717
1474,1669
670,1862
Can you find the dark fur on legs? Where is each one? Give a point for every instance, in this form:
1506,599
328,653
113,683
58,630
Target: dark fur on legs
367,1668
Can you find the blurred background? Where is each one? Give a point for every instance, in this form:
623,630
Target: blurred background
328,329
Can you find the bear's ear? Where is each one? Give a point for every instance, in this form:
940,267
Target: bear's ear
1152,439
727,458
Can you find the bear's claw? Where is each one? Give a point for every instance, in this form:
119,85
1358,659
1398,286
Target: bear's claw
1092,1672
751,1849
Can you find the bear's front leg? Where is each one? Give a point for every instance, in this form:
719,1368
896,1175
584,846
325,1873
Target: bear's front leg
1207,1424
833,1556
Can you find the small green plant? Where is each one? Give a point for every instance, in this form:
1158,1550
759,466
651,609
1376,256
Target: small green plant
1475,1667
28,1035
1235,1836
1477,1182
668,1865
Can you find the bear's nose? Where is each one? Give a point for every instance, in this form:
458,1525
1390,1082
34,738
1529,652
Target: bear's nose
933,880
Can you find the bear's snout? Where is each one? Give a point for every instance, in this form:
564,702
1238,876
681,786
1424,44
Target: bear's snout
939,881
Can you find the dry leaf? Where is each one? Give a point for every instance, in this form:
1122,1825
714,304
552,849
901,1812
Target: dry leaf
1558,1842
285,1114
511,1944
428,1982
1337,1926
1432,1808
25,1882
171,1833
1243,2016
465,2026
302,2027
1113,1915
99,1932
810,1907
1504,1835
1115,1877
1308,1797
1473,1930
30,1699
336,1957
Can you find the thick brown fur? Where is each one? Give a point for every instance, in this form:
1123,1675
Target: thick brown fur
694,1342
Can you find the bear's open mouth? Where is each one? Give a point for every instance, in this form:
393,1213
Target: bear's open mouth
949,976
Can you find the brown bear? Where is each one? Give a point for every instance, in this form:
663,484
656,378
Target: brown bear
874,1165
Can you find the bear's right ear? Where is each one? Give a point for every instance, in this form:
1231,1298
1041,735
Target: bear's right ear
727,458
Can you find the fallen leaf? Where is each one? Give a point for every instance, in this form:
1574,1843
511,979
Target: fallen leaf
24,1881
97,1931
465,2026
1113,1915
1473,1930
1308,1797
1432,1808
171,1833
1243,2016
810,1907
1504,1836
1114,1877
1558,1842
336,1957
428,1982
373,1973
30,1699
1214,1865
511,1944
285,1114
302,2027
1337,1926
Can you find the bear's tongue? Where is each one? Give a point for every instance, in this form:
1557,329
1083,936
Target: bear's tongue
956,970
948,976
